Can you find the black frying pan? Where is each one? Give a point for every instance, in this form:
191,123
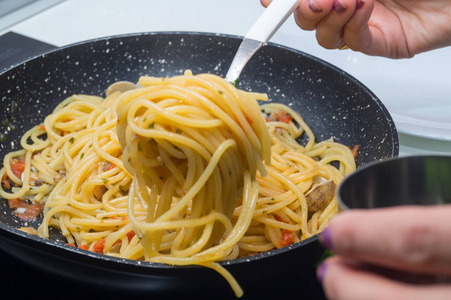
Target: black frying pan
332,102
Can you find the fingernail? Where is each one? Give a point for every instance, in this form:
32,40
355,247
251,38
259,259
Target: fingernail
321,272
338,6
359,4
314,7
325,238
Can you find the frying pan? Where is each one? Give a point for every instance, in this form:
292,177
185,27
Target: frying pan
331,101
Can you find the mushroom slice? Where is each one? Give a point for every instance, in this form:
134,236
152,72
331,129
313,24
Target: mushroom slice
120,86
320,195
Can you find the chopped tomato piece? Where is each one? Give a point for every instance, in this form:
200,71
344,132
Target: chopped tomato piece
130,235
98,246
280,116
277,218
355,150
111,166
41,127
18,166
83,246
30,213
123,218
286,118
287,237
16,203
5,182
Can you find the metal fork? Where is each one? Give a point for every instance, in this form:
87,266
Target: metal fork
259,34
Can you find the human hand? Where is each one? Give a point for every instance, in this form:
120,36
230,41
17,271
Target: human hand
390,253
389,28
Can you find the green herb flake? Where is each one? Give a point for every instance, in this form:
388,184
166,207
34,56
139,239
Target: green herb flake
121,189
152,125
81,155
71,140
14,106
105,181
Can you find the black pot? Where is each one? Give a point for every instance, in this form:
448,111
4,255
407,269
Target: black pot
331,101
411,180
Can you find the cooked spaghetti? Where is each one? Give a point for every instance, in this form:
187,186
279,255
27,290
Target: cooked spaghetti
182,170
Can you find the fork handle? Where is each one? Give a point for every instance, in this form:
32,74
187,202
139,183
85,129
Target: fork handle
271,19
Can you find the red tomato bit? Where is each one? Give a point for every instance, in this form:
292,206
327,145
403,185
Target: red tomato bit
98,246
287,237
5,182
354,150
18,166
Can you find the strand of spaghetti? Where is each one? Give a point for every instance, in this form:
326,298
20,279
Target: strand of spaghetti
196,246
226,274
102,153
166,113
248,107
33,134
173,138
276,206
278,224
241,225
45,172
26,175
44,229
200,181
297,117
212,217
7,165
217,111
300,196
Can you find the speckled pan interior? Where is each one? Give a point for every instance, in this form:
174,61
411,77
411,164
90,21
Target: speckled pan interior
331,101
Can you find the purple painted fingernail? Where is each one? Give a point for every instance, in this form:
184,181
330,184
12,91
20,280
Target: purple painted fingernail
321,272
359,4
325,238
338,6
314,7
